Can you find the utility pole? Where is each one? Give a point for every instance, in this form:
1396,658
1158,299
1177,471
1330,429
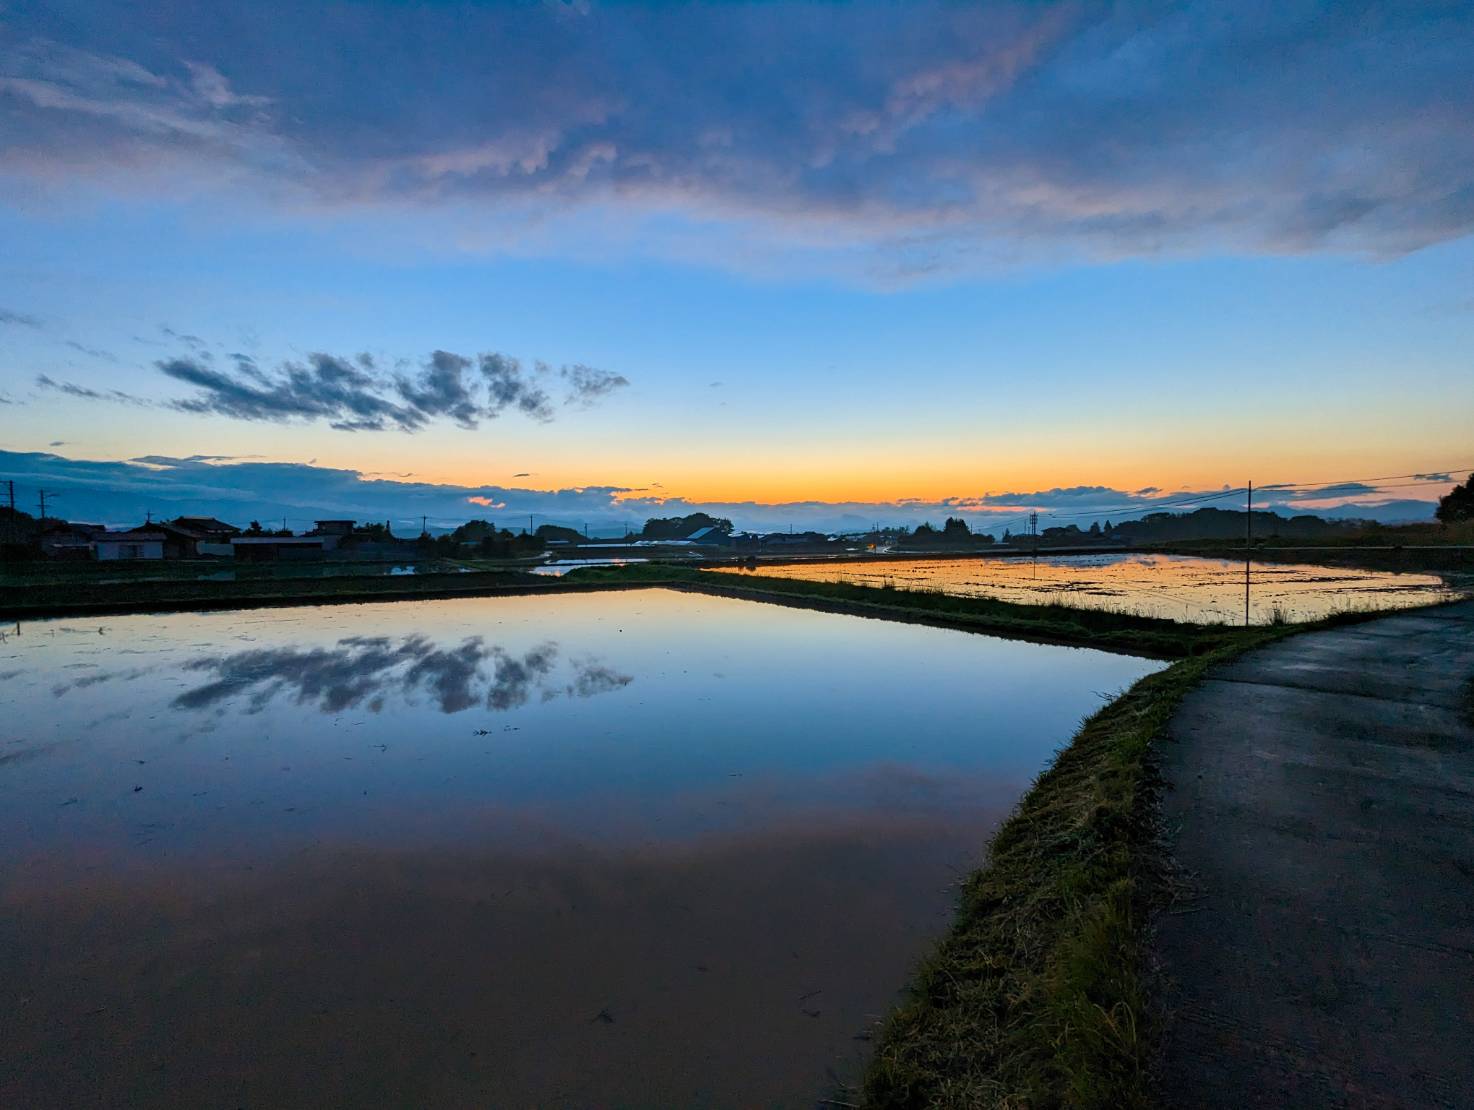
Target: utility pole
42,494
424,524
1248,539
1034,532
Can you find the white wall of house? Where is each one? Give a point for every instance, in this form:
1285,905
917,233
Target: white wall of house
108,550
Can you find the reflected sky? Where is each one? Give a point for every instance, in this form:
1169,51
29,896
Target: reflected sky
366,670
1173,587
414,850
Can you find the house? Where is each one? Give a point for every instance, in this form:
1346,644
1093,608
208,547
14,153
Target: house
110,547
334,532
216,531
188,537
265,549
66,540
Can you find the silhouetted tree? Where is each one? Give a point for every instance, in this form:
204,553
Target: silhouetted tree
679,527
474,531
547,532
1457,504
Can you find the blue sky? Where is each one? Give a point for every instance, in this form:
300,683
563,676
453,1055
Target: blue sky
894,256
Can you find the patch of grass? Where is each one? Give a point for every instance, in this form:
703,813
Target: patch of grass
1036,998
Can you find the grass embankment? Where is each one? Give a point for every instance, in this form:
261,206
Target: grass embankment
1053,623
1037,996
81,596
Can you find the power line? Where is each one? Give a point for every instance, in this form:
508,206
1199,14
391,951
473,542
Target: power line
1271,486
1356,487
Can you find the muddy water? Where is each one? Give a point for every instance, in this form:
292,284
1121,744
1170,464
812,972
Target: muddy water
635,849
1174,587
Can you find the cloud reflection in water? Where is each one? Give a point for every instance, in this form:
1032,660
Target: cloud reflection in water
366,669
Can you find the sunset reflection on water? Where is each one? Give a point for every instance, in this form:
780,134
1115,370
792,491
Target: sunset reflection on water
1174,587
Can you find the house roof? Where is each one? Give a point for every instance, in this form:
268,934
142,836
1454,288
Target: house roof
129,537
203,524
314,541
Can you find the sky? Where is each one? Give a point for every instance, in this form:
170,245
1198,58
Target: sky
803,263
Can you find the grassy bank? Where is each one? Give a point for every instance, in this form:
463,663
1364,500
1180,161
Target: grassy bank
1036,997
81,596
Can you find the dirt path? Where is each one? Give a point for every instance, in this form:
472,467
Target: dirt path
1322,793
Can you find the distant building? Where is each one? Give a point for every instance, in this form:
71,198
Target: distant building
266,549
338,528
110,547
66,540
207,526
189,537
709,535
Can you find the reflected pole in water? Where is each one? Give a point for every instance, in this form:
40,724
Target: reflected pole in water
1248,538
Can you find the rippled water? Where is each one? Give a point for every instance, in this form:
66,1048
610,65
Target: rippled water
642,848
1175,587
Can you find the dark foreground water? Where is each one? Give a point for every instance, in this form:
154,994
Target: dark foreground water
634,849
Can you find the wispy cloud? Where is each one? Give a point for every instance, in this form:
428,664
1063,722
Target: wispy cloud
91,352
86,393
912,138
18,319
587,385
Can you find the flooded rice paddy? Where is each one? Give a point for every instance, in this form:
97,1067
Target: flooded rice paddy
1174,587
636,849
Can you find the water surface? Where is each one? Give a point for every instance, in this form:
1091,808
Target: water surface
1174,587
638,848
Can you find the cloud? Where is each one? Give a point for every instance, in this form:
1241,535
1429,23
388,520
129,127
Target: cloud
350,395
324,388
903,140
72,389
194,342
121,492
587,385
18,319
507,386
442,389
92,352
